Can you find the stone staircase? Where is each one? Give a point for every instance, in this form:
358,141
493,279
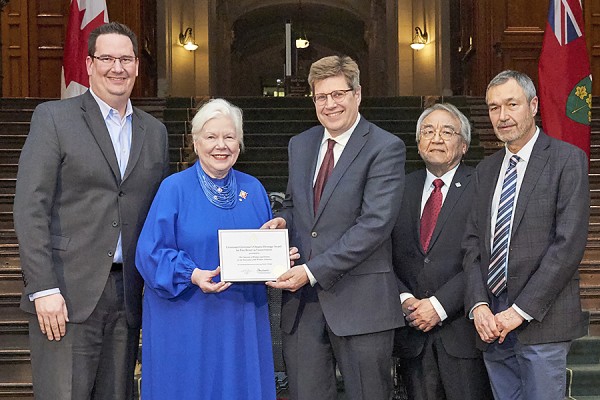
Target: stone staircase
269,123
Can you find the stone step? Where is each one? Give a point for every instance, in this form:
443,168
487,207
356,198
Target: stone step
15,366
11,281
16,391
12,141
15,335
585,350
585,380
14,128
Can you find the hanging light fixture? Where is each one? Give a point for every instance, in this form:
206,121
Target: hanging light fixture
302,41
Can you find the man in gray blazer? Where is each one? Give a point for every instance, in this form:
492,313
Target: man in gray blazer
524,241
88,172
341,303
437,350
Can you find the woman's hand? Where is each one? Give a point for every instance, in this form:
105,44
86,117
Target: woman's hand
203,279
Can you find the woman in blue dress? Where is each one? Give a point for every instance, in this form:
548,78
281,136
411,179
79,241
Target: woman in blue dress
202,338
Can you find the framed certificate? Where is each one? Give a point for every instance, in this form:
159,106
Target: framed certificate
253,255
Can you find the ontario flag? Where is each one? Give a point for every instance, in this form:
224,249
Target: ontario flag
565,81
84,17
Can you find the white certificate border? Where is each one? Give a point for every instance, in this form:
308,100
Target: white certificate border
225,232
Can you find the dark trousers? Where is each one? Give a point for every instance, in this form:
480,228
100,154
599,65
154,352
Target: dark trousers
520,371
94,360
436,375
312,350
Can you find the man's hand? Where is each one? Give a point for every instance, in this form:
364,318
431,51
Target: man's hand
291,280
506,321
294,255
422,316
407,306
485,323
203,279
52,315
275,223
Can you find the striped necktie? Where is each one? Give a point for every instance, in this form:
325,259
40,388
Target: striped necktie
499,258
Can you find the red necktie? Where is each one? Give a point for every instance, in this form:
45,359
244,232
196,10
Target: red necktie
430,213
324,172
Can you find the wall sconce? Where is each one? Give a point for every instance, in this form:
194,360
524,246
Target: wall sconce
419,40
187,40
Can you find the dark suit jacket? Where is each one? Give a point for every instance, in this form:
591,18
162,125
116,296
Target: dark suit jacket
437,272
71,203
548,238
349,239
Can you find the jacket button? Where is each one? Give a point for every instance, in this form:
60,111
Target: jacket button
110,253
121,194
115,224
314,234
427,260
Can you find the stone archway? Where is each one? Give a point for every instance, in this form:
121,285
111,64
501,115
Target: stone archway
249,42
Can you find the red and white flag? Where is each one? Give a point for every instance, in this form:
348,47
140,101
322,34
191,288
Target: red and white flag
565,81
84,17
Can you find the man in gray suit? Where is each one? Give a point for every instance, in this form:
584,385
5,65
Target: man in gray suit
341,303
88,172
524,241
437,350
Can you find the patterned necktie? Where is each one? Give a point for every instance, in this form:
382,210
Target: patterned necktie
324,172
498,260
431,211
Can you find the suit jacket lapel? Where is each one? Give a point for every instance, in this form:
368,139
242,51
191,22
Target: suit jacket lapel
93,118
138,132
413,203
355,144
535,166
457,187
487,186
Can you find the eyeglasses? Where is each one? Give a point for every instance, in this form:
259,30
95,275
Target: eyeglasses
110,60
445,133
336,95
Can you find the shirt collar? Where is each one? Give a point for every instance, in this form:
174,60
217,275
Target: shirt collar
344,137
447,177
105,109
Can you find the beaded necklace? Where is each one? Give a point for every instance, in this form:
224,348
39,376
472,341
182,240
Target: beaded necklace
220,196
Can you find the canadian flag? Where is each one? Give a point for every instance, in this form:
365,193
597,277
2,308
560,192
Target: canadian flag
84,17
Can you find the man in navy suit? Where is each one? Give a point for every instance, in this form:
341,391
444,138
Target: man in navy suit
341,302
524,241
437,350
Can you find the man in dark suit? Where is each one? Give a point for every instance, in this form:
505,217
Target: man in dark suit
524,241
341,303
87,175
437,350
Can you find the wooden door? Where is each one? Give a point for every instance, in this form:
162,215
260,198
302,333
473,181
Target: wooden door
33,33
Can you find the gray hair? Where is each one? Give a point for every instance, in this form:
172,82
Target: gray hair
216,108
465,126
522,80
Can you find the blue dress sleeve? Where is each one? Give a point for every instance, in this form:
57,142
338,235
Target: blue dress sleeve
166,269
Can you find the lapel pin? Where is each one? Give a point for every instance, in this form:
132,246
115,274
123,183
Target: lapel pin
457,184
